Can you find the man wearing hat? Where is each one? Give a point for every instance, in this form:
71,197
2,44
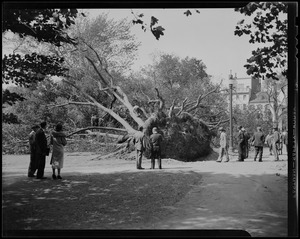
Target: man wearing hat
32,146
247,145
241,144
155,144
258,140
275,143
138,141
224,146
41,150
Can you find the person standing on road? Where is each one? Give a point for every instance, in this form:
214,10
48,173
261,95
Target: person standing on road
258,140
155,144
285,139
224,146
32,145
247,137
241,144
58,140
269,140
41,150
275,143
138,140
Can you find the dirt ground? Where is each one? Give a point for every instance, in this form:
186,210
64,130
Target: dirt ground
112,194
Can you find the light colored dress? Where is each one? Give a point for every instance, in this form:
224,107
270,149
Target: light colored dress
58,140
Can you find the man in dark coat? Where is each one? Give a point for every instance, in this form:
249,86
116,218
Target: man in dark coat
41,150
155,144
32,145
258,140
241,144
247,145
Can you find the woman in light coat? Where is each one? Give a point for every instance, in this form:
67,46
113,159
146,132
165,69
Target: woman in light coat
58,140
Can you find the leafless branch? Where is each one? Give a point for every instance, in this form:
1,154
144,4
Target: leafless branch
183,104
172,108
161,100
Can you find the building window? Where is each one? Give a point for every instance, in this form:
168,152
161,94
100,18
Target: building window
240,87
237,97
244,106
244,97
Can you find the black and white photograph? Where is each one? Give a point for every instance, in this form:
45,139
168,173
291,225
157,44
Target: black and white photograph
148,119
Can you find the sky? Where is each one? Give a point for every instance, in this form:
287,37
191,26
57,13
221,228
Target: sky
207,36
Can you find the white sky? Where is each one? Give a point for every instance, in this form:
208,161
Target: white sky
208,36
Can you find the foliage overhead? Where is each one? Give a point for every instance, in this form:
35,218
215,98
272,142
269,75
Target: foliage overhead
157,31
24,70
44,25
269,26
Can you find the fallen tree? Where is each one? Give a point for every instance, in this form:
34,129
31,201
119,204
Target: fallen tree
186,136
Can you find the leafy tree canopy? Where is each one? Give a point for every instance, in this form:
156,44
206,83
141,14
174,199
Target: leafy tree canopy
44,25
269,26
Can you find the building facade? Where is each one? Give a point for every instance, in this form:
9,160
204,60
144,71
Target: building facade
251,93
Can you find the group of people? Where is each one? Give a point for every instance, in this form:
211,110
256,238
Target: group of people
155,147
40,148
274,140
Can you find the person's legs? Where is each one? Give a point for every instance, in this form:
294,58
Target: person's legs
32,164
226,154
276,157
53,173
41,166
139,159
260,153
152,162
256,152
220,155
159,159
58,174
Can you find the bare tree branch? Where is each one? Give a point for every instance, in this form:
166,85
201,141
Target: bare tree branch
161,100
172,108
97,127
182,106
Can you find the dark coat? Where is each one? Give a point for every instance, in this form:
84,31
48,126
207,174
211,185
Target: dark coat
258,139
155,140
241,138
41,142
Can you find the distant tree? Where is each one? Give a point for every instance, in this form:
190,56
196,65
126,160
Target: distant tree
269,27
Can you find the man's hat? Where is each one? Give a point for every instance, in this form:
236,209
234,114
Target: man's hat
154,129
221,129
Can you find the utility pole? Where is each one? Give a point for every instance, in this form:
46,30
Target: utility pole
231,81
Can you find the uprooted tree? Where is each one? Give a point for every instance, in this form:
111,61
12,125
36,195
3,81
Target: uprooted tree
94,81
186,136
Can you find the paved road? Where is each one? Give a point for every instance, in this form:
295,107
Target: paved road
248,195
